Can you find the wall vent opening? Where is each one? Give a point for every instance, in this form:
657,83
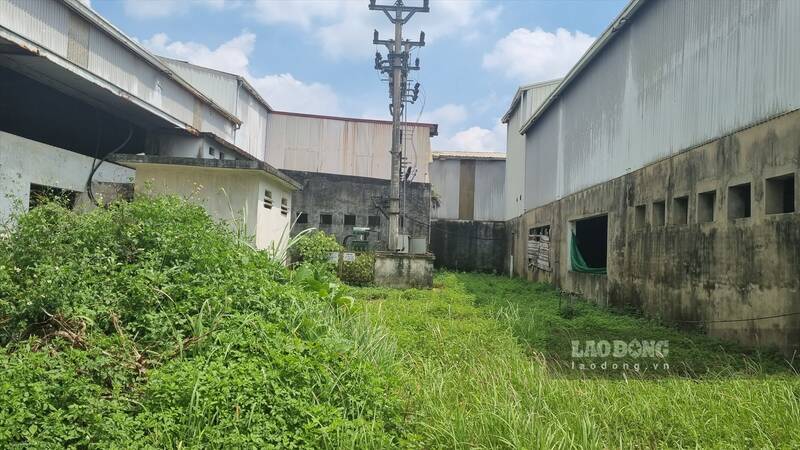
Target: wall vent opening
374,221
350,219
779,192
326,219
268,199
284,206
706,202
659,213
680,210
302,218
739,201
640,216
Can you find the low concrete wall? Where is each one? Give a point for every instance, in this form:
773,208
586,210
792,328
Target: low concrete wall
467,245
718,275
403,271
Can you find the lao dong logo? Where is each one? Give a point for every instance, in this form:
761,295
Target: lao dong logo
620,349
634,349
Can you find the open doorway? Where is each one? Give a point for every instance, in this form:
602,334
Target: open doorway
589,245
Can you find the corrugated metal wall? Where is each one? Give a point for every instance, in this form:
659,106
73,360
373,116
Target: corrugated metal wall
490,177
514,195
445,179
218,86
486,190
339,146
51,24
680,73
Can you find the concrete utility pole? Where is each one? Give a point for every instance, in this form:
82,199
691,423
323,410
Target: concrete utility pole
396,67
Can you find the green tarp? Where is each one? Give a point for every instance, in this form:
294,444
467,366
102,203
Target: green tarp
578,263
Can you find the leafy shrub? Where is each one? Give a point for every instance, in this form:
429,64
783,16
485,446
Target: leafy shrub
314,247
360,272
149,325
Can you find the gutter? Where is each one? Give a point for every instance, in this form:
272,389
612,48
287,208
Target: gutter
587,57
97,20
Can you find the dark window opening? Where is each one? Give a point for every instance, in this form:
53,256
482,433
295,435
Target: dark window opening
706,202
221,155
40,195
739,201
211,151
640,216
374,221
302,218
659,213
284,206
349,219
780,194
326,219
589,246
680,210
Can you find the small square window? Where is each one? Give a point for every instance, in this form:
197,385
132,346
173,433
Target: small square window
374,221
211,151
739,201
680,210
325,219
640,216
349,219
284,206
706,202
659,213
779,192
268,199
302,218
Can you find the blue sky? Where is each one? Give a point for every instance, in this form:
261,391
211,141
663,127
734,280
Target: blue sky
316,56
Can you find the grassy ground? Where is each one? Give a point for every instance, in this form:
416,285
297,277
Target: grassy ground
486,363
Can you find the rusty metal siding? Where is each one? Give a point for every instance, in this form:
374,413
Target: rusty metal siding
445,184
340,146
489,190
680,73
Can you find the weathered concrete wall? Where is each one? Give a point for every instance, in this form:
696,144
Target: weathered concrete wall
232,195
403,271
24,162
340,195
472,246
717,272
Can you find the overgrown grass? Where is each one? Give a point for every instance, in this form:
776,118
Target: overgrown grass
477,363
149,325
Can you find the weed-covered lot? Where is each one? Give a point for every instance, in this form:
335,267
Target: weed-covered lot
148,325
486,363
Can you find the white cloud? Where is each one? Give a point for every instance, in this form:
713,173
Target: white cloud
475,139
537,55
343,28
446,116
282,91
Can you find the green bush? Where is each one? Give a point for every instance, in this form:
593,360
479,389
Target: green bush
147,324
314,247
360,272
